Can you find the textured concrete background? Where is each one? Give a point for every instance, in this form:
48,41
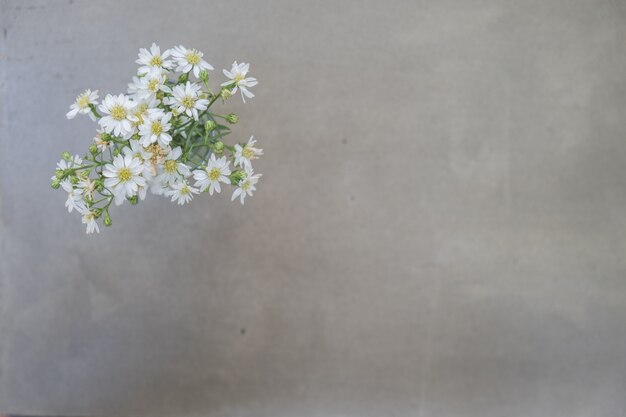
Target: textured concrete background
440,230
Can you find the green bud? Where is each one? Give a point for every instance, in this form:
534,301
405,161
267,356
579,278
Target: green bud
97,212
99,186
232,118
59,173
133,200
218,147
183,78
107,219
210,125
175,121
56,183
74,179
93,149
66,155
204,76
105,137
116,151
225,93
237,176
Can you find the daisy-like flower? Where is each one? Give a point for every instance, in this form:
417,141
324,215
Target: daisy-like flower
89,218
181,192
81,105
143,107
246,153
238,79
137,151
146,87
74,196
173,170
186,99
189,60
123,177
152,61
155,128
217,171
119,115
74,162
246,186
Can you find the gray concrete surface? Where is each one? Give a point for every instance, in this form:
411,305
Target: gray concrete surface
440,230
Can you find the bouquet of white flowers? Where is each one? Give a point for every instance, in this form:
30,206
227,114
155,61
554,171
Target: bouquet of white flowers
157,136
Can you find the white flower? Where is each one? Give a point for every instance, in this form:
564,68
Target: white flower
74,196
152,61
217,170
237,75
89,218
173,170
146,87
76,161
119,115
181,192
189,59
139,152
246,153
246,186
81,105
124,177
186,100
155,128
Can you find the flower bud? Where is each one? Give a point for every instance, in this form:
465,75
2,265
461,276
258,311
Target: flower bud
209,125
99,186
218,147
66,155
97,212
183,78
56,183
105,137
225,93
59,173
175,121
93,149
237,176
116,151
74,179
232,118
133,200
204,76
107,219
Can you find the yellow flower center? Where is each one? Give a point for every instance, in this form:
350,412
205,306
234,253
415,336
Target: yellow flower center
118,112
124,174
156,61
153,85
184,190
238,78
141,109
193,57
83,101
156,127
215,174
170,166
247,153
188,102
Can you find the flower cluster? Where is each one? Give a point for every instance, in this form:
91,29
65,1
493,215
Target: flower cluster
162,136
